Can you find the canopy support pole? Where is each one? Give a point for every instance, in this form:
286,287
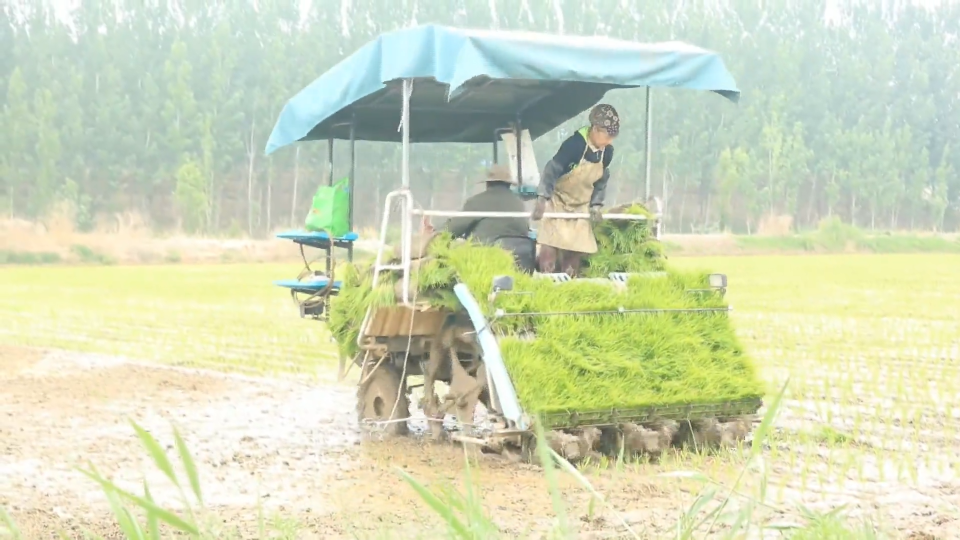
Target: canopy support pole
328,258
405,127
496,158
647,150
517,131
330,161
406,198
352,181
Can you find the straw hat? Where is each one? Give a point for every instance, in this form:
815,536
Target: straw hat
499,173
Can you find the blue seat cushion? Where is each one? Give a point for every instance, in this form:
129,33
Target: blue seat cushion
318,239
308,287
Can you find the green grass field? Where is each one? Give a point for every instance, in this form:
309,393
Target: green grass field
871,344
233,317
227,317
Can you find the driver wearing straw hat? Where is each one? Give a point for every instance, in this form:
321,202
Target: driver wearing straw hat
574,181
498,197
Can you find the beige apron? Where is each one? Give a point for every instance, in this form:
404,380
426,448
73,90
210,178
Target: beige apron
572,195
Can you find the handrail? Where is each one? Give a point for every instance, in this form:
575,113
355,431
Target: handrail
406,236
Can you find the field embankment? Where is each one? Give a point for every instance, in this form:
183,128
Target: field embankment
33,244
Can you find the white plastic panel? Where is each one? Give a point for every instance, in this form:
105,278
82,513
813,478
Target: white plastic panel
531,171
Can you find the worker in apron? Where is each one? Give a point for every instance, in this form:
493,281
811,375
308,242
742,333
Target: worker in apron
575,181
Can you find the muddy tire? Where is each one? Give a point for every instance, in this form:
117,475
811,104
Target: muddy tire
376,399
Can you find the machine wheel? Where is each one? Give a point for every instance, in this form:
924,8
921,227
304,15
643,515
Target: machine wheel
376,399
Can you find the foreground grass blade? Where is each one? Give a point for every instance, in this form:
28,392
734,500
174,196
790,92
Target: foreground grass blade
189,465
546,460
756,447
162,514
10,529
690,516
763,430
156,452
445,511
570,469
153,525
261,519
125,519
478,518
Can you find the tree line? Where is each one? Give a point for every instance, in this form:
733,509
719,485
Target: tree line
161,108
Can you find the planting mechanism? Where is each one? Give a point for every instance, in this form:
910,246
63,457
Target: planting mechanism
441,84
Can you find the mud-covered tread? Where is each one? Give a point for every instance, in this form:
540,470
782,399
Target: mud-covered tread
647,440
376,399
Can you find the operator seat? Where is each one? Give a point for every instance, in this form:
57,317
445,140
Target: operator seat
523,248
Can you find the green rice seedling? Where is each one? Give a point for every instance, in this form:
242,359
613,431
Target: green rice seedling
831,525
596,347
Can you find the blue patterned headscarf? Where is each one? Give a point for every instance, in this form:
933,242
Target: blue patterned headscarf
606,118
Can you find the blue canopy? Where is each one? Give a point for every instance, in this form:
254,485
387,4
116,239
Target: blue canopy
469,83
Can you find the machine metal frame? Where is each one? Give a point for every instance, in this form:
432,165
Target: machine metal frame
502,398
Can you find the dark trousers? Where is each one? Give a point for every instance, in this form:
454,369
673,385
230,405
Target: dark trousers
524,251
555,261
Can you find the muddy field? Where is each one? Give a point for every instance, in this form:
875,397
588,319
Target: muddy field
295,447
870,423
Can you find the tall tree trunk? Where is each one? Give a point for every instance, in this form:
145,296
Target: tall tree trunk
663,196
209,210
706,212
683,204
853,209
251,160
260,196
218,215
811,200
770,189
269,223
